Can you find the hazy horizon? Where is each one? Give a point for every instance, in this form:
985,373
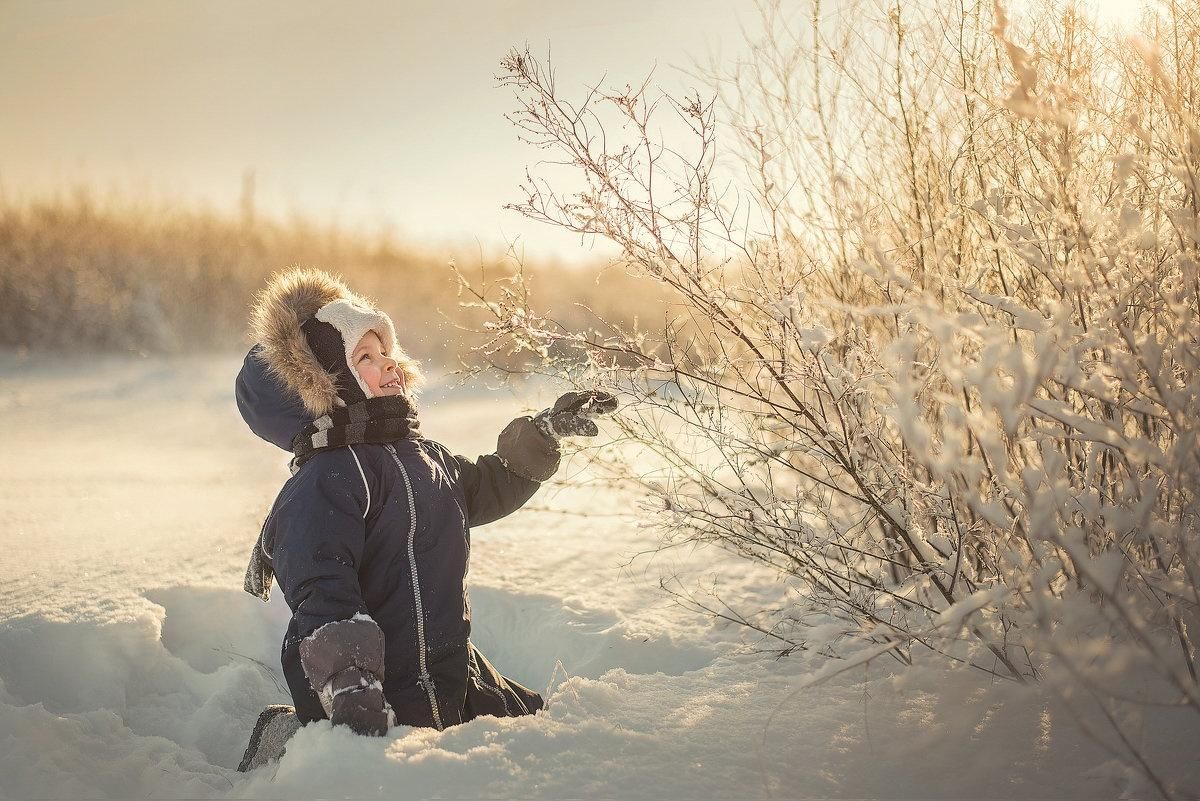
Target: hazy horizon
372,116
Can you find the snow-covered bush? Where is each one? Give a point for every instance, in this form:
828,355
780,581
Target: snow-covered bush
936,351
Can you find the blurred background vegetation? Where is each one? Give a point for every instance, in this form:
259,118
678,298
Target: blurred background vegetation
122,275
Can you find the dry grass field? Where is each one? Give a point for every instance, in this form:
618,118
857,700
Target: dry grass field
121,275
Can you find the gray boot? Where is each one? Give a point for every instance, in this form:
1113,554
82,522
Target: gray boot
276,724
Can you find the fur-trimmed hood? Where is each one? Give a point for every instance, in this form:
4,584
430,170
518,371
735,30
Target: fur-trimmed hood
294,296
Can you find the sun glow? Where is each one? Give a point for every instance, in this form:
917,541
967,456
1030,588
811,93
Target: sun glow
1120,14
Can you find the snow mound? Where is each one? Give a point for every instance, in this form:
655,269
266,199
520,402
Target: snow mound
132,664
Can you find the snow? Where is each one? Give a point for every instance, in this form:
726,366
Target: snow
132,663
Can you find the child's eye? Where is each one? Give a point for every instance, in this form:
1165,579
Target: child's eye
364,356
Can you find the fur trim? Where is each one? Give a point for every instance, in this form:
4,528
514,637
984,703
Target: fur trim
290,298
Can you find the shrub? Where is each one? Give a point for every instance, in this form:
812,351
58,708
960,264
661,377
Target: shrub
941,372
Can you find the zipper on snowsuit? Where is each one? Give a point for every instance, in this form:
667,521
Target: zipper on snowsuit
496,691
423,679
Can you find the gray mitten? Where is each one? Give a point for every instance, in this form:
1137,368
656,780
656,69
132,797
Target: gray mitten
572,413
526,451
358,702
343,661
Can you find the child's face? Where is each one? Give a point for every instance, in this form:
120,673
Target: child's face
376,368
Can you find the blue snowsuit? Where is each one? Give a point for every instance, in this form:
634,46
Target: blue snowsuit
385,530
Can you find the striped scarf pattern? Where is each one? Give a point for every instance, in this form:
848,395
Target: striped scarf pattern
383,419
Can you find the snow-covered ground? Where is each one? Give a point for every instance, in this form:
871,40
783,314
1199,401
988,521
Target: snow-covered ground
132,664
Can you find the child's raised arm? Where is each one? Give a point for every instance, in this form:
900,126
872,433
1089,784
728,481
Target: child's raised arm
499,483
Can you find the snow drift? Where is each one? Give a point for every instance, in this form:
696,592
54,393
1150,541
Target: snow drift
132,664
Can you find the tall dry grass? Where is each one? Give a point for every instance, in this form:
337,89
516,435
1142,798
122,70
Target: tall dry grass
126,275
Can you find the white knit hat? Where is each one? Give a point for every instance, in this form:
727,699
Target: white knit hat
353,320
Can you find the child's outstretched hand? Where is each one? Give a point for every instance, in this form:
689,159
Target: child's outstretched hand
571,414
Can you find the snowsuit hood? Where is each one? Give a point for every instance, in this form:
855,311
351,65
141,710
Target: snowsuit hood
271,409
293,298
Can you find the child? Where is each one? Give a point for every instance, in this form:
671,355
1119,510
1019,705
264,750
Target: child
370,537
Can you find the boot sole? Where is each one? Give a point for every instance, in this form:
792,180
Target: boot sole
265,719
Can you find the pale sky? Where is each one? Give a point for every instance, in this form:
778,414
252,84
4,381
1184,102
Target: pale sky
372,114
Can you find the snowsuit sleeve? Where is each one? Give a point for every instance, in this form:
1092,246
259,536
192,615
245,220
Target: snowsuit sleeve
316,541
491,490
